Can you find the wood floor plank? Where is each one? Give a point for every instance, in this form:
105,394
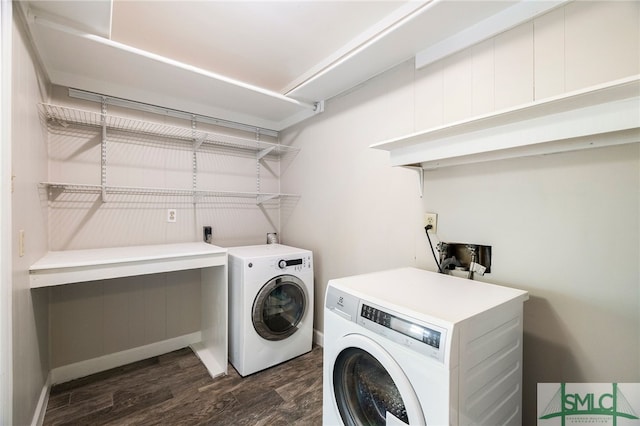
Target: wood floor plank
125,404
187,411
58,401
176,389
104,377
71,412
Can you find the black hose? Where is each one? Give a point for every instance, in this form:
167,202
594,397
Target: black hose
426,229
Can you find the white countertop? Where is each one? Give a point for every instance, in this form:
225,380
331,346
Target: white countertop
69,266
429,296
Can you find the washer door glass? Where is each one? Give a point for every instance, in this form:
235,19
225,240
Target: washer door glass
364,390
279,307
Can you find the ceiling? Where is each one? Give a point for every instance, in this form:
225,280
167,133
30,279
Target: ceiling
267,63
267,44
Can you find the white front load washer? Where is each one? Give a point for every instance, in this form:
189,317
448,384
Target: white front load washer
408,346
270,305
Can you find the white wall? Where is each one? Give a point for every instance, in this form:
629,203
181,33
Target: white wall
28,166
582,319
360,215
356,213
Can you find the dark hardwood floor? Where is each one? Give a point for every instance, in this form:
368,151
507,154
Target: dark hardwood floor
175,389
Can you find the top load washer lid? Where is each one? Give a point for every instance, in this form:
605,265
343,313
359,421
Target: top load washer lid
265,250
428,295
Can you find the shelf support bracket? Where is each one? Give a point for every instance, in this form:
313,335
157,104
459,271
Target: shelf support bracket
194,159
420,171
103,153
197,140
258,163
264,198
197,143
263,153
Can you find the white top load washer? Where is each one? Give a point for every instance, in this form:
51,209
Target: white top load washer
270,305
408,346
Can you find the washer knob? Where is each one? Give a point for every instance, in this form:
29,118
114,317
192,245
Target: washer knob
282,264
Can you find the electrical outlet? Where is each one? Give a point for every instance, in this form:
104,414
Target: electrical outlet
171,215
431,219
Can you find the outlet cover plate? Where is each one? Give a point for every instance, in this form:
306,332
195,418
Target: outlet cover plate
431,219
171,215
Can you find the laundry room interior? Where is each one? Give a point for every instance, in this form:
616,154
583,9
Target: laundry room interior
344,161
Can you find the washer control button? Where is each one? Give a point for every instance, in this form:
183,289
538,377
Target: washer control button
282,264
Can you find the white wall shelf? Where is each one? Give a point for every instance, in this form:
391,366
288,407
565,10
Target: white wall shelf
260,197
64,116
603,115
75,58
78,266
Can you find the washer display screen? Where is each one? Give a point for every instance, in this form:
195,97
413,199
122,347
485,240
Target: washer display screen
415,331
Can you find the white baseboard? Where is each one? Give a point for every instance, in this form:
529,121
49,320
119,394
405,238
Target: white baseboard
96,365
41,408
318,337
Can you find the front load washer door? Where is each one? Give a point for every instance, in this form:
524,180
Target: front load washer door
279,307
370,388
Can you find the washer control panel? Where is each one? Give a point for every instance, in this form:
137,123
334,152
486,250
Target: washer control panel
292,264
282,264
425,338
410,329
422,337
